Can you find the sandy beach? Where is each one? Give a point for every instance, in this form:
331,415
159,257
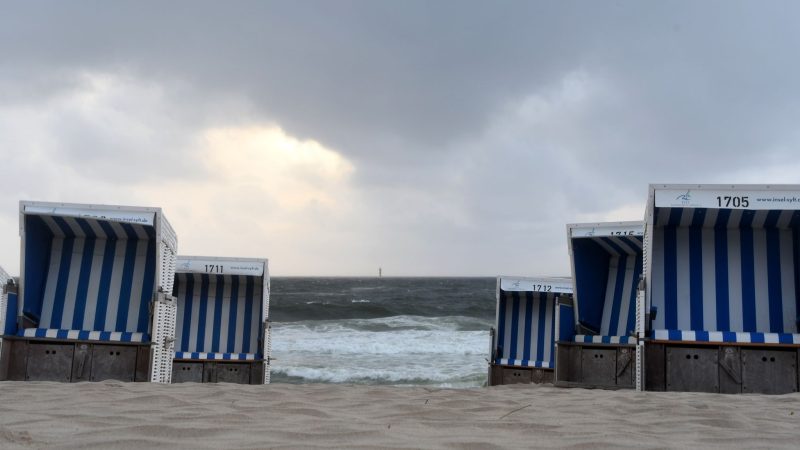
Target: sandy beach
128,415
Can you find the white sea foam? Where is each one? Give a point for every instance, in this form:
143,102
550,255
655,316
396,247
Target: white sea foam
405,350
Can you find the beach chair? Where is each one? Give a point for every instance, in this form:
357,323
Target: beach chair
223,329
721,281
526,326
94,297
7,290
606,263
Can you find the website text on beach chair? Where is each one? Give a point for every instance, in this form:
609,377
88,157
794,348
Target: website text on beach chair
223,330
721,288
528,314
94,295
606,263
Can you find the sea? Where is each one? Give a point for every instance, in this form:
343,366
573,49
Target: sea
391,331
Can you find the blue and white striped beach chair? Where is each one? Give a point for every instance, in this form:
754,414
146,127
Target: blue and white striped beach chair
721,288
528,312
606,268
92,302
223,332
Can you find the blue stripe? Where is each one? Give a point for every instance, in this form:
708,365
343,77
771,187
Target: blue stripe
616,301
234,311
553,334
696,278
630,324
748,273
674,217
83,283
148,286
201,317
187,312
105,283
218,299
670,278
126,284
501,323
512,352
699,217
540,333
88,232
110,233
774,283
248,316
530,298
614,246
721,271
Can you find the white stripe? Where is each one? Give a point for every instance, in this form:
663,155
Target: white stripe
663,217
623,244
788,292
771,338
255,325
49,299
784,219
662,335
209,331
195,323
71,293
120,232
98,230
735,219
625,303
137,284
715,336
54,228
657,273
683,270
115,336
506,332
77,231
72,334
93,289
520,338
226,312
688,335
687,217
611,286
742,337
759,218
116,283
711,217
610,250
548,326
94,335
709,278
761,279
140,232
734,280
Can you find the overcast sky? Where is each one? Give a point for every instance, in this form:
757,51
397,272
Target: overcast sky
429,138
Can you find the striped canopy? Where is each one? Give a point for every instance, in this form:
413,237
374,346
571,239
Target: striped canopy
607,271
88,274
526,329
219,316
727,270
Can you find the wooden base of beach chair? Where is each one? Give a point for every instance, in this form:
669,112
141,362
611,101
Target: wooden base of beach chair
500,375
70,361
727,369
238,372
595,366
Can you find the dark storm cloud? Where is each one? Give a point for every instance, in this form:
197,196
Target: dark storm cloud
468,122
